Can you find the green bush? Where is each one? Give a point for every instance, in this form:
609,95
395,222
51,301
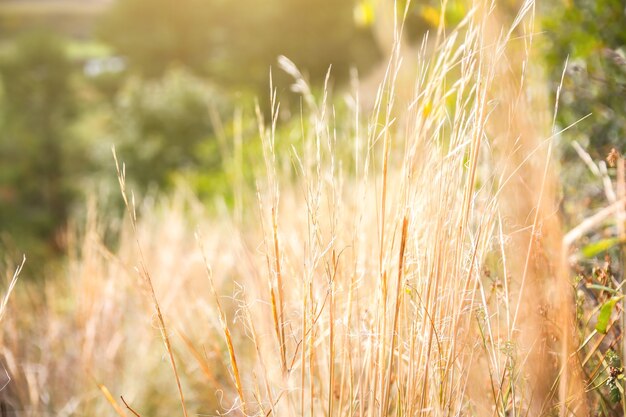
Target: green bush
161,127
592,33
41,161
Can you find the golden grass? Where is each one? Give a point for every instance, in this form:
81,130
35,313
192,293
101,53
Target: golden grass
419,274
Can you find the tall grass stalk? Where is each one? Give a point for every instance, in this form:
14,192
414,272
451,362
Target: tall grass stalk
412,264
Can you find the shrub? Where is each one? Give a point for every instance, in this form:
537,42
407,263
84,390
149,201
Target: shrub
40,158
592,35
162,126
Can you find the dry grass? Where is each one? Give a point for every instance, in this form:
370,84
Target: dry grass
422,273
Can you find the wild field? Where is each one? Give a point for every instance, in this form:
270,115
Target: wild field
402,258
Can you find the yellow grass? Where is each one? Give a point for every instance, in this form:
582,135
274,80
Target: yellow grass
419,274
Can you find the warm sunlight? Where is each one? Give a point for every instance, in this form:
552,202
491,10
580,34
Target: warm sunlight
312,208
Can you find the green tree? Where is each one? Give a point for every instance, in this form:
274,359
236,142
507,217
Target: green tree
162,126
39,164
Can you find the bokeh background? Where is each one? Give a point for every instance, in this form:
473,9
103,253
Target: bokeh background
170,83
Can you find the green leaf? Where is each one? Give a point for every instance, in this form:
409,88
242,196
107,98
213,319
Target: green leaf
596,248
614,394
605,314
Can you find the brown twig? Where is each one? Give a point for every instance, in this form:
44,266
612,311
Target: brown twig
129,407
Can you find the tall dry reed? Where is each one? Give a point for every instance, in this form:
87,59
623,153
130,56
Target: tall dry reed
414,267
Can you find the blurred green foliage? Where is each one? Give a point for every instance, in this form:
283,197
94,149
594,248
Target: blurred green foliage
58,120
153,34
38,154
592,33
237,42
160,126
162,111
